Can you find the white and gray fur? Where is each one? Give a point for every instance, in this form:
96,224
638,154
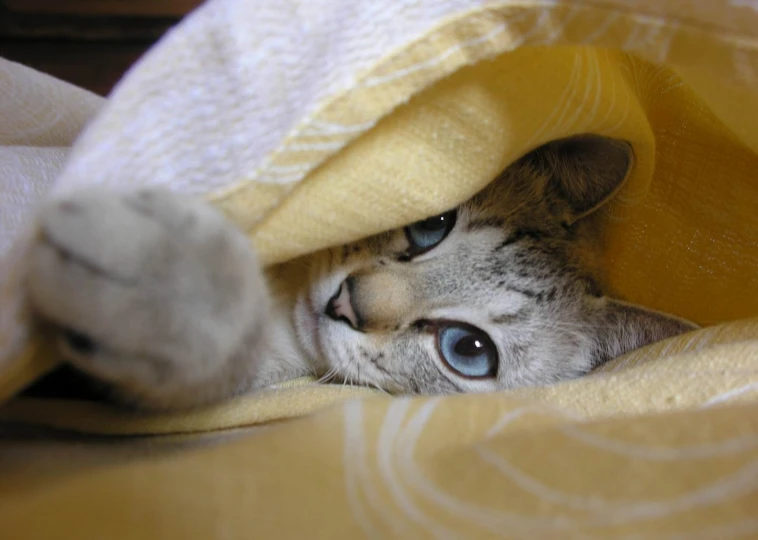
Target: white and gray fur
162,299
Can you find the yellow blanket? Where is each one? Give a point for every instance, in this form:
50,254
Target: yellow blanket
320,122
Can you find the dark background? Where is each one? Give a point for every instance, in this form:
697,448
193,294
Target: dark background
90,43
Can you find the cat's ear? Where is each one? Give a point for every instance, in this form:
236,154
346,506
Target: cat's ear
622,327
582,171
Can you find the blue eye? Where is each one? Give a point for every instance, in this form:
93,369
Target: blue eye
424,235
467,351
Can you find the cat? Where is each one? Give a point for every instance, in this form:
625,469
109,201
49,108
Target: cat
159,297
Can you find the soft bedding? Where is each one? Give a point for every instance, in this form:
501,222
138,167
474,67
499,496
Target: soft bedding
314,123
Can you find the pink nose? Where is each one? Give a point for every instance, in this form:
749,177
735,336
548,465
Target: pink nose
340,306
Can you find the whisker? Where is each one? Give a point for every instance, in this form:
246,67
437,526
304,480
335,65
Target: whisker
327,377
377,387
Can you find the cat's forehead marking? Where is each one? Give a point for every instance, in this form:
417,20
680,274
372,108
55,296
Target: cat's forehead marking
476,223
509,317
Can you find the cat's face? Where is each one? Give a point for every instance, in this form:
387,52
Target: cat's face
495,294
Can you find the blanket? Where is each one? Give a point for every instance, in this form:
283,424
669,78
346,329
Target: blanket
283,113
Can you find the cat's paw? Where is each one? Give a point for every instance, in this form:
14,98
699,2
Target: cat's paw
152,292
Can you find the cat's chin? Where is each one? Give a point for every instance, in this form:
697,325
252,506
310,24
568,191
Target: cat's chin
312,326
309,316
306,323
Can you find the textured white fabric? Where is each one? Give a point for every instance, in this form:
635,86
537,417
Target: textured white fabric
40,117
26,175
207,105
39,110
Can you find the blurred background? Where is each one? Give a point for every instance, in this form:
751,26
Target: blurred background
90,43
